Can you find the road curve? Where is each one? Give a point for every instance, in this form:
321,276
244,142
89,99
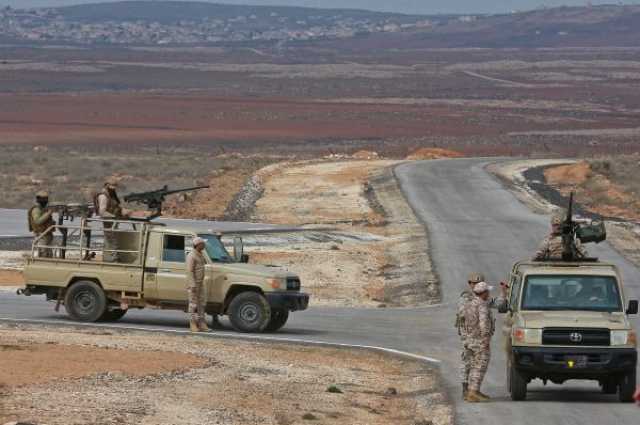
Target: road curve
474,223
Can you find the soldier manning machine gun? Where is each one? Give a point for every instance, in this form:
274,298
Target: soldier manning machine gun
583,230
155,198
69,212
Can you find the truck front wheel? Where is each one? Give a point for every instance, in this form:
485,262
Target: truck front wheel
249,312
279,317
85,301
627,387
517,384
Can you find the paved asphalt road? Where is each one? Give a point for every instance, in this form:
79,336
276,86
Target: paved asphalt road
474,224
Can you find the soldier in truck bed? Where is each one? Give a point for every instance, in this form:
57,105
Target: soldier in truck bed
108,207
40,219
551,247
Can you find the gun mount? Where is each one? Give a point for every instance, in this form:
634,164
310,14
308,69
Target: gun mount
155,198
583,230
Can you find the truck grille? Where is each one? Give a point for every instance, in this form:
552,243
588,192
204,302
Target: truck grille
293,284
576,336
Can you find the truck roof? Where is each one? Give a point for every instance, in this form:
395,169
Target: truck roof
560,267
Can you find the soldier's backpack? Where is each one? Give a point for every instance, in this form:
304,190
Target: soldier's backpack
30,217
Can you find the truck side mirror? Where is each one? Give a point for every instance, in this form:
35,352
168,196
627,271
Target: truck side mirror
238,249
633,307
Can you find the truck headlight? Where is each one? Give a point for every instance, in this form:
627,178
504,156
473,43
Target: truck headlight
527,336
274,283
623,338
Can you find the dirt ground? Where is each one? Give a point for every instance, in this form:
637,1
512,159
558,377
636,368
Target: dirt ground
376,240
64,376
11,278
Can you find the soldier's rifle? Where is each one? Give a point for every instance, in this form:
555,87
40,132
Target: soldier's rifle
155,198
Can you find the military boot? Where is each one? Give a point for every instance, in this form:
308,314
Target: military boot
465,390
193,325
202,325
483,395
474,397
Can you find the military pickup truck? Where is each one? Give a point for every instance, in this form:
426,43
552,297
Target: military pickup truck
138,265
568,320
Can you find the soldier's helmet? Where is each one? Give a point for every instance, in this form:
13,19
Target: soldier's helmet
475,277
42,194
111,181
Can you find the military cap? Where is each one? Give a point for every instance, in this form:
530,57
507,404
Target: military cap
481,287
475,277
111,181
198,240
42,194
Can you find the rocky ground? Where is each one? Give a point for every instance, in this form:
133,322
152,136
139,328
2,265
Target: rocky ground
376,254
65,376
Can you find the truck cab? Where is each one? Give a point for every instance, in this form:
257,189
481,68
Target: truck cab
569,320
101,272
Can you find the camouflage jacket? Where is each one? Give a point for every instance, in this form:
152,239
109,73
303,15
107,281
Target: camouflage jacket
195,267
551,248
479,323
39,219
464,302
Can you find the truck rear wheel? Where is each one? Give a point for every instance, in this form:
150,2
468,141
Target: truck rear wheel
85,301
517,384
278,319
249,312
609,386
627,386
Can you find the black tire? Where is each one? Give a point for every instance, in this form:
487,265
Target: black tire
278,319
85,301
249,312
627,387
610,386
517,384
113,315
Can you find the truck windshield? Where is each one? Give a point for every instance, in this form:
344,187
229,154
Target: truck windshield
593,293
216,250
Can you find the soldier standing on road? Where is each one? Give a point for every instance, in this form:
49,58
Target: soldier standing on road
464,303
40,219
551,247
195,277
107,205
479,328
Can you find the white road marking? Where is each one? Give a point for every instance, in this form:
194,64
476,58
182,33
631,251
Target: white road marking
233,336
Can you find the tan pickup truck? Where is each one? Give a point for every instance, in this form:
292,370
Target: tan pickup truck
569,320
142,265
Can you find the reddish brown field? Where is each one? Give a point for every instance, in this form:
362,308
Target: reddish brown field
99,118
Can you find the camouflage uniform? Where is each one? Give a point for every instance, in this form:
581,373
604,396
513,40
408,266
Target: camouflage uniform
195,278
108,207
464,304
39,221
479,328
551,247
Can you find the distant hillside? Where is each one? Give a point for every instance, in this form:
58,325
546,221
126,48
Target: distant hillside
167,12
557,27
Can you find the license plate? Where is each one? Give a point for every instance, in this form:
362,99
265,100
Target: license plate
576,362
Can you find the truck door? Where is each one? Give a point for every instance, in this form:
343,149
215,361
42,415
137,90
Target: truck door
171,281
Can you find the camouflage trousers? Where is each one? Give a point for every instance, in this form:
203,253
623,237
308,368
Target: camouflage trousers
475,362
197,302
46,240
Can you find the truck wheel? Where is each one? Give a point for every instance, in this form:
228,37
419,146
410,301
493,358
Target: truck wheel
610,386
278,319
85,301
517,385
113,315
249,312
627,387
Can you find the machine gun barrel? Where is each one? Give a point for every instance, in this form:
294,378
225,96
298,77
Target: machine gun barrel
155,198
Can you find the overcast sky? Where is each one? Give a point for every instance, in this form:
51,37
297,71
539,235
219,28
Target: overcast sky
406,6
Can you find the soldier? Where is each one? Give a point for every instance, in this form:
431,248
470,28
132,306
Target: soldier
40,219
108,207
551,247
466,297
479,328
195,277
